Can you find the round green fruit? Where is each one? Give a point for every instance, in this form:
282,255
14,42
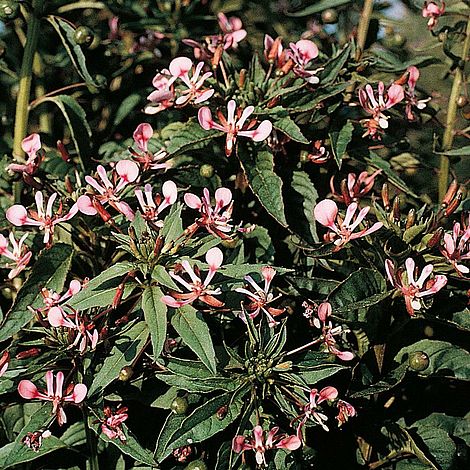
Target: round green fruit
206,170
9,10
83,36
179,405
418,361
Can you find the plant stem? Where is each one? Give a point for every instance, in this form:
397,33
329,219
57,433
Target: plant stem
26,74
449,132
93,463
316,341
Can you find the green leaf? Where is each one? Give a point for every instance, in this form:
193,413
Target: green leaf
189,324
334,66
301,198
263,181
16,452
66,34
77,123
198,385
312,285
340,141
189,136
128,104
100,291
127,347
381,164
160,274
291,129
257,73
49,271
319,6
172,225
204,422
363,288
445,359
155,313
314,374
461,152
131,447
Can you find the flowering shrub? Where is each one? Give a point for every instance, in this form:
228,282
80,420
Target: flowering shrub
235,235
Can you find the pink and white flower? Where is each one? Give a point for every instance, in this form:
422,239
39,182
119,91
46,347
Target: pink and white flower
44,219
410,95
107,192
302,53
433,11
328,332
386,99
4,361
456,250
163,96
152,207
111,425
260,298
233,31
356,187
342,231
75,394
260,444
20,254
53,299
196,287
234,125
215,219
413,290
148,160
345,411
180,67
80,324
31,146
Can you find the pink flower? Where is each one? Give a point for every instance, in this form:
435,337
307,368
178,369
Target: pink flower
328,332
386,99
148,160
355,187
413,290
163,96
260,444
432,11
58,318
112,423
151,207
274,52
455,250
342,231
310,409
76,394
233,30
53,299
410,95
216,219
44,219
234,125
33,440
180,68
302,53
4,361
30,146
260,298
197,289
125,172
20,254
319,154
345,411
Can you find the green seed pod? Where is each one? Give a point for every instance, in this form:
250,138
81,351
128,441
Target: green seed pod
418,361
9,10
179,406
196,465
83,36
206,170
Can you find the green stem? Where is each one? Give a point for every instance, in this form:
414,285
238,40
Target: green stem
26,74
449,132
93,463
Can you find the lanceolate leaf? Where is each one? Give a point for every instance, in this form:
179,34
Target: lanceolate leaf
340,140
76,119
334,66
319,6
125,350
50,271
66,33
155,313
263,181
195,333
291,129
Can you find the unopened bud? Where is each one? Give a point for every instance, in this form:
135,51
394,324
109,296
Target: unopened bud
273,52
104,214
118,296
68,184
385,197
450,194
63,151
287,67
217,56
158,246
345,192
242,78
410,218
452,207
32,352
396,213
436,238
273,102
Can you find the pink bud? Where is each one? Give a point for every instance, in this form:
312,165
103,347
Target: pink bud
142,135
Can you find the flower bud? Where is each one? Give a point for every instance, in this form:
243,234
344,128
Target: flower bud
179,405
450,194
63,151
410,219
32,352
242,78
396,209
206,171
125,374
385,197
452,207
